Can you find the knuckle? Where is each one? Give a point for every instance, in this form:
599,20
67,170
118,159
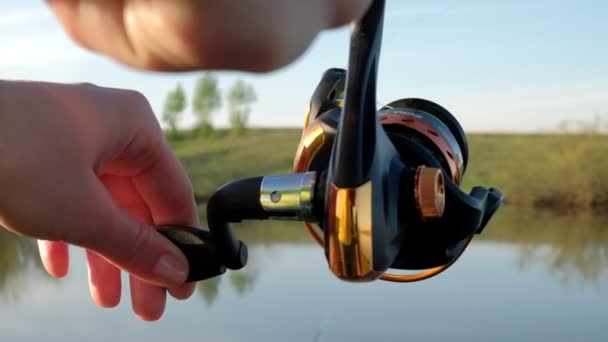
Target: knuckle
140,113
142,236
134,98
137,102
87,85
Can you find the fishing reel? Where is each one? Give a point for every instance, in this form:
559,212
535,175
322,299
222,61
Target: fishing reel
377,189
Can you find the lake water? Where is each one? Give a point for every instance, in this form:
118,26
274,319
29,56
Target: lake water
530,277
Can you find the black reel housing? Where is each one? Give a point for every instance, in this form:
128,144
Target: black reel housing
424,134
382,185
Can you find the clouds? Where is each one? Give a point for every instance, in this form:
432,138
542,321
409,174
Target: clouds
17,17
32,37
40,49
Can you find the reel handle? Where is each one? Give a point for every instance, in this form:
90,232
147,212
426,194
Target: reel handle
356,139
200,249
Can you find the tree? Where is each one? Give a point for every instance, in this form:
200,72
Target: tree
18,257
242,281
209,289
206,100
174,107
240,98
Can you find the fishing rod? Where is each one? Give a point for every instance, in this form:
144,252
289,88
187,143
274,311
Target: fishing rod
377,189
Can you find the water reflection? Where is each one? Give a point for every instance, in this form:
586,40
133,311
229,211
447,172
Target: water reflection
260,237
18,259
242,282
508,286
209,289
570,246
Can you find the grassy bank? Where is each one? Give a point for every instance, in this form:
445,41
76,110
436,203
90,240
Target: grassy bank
565,172
218,159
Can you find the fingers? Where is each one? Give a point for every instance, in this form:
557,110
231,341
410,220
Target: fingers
81,20
166,189
203,34
157,178
104,281
110,231
182,292
73,132
148,301
168,194
144,183
55,258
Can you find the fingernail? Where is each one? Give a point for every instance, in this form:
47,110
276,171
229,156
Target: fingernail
171,269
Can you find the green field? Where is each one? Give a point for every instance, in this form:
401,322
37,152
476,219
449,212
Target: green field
562,172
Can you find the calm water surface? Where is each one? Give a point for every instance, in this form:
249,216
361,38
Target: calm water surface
530,277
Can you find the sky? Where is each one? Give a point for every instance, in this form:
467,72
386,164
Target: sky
498,66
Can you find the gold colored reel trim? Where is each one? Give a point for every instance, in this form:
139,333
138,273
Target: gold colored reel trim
312,139
399,278
408,278
428,131
349,232
316,236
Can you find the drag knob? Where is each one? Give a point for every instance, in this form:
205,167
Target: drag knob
429,192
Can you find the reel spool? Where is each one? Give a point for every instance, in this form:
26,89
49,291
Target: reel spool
381,186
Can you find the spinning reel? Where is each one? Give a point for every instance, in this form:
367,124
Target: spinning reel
377,190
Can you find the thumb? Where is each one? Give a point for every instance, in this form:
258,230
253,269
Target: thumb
125,242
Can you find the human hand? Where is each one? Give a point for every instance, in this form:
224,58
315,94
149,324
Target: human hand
89,166
253,35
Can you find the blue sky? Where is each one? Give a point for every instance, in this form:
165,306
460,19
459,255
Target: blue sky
497,65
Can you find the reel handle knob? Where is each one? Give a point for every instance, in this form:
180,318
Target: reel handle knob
200,249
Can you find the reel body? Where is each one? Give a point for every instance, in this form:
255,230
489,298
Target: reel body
381,186
430,143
